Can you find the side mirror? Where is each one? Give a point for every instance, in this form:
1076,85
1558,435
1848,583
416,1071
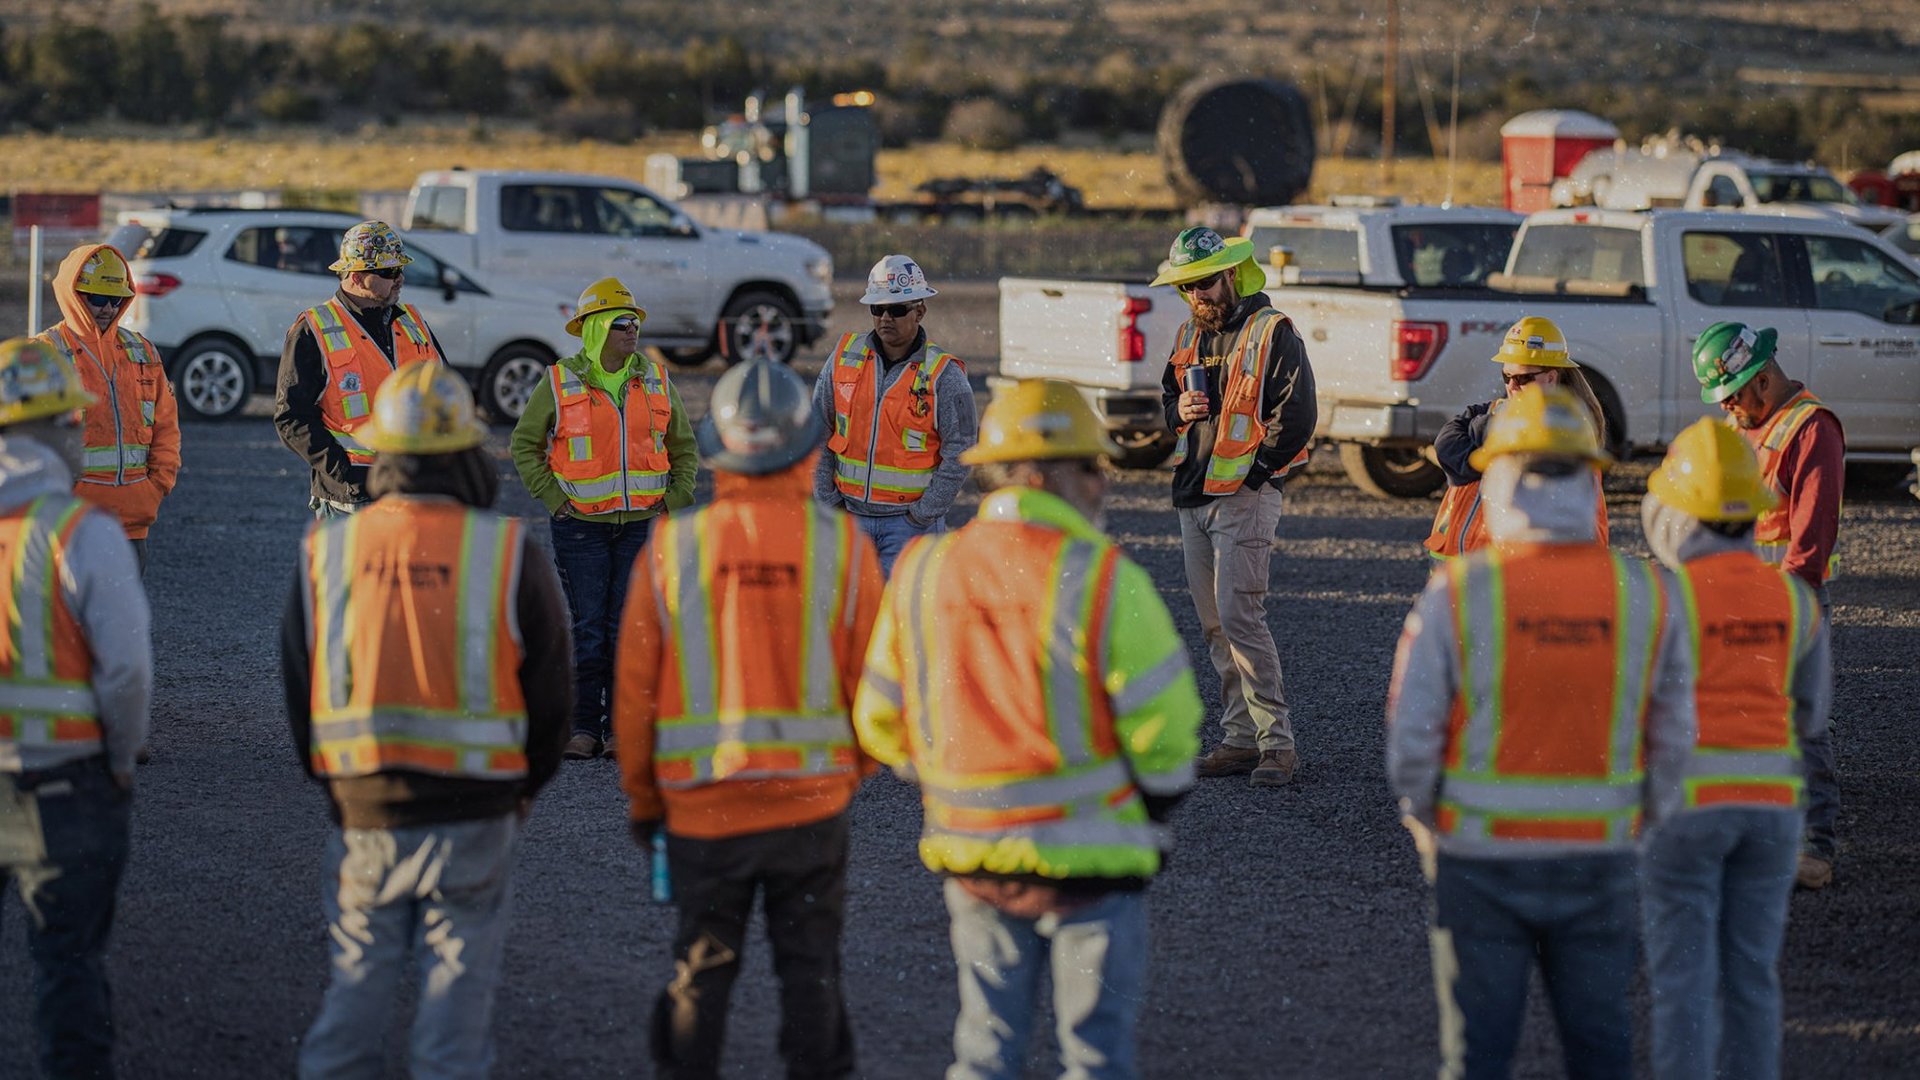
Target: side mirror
449,283
682,225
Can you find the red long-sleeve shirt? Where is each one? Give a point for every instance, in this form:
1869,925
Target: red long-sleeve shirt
1812,474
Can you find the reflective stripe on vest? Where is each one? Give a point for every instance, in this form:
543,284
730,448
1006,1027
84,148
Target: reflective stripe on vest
465,727
712,738
46,695
111,453
1241,425
1489,794
880,455
610,472
1745,621
1773,532
356,367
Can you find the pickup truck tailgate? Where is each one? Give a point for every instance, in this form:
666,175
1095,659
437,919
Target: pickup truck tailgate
1095,334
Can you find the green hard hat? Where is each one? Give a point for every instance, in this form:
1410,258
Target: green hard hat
1199,252
1727,356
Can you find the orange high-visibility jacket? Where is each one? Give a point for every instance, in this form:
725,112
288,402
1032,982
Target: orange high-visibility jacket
1460,525
1774,531
1750,626
885,448
416,650
46,670
1242,423
610,456
740,651
356,367
1546,740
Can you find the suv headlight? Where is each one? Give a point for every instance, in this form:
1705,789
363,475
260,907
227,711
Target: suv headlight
821,270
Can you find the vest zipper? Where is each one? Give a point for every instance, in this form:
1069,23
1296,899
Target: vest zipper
113,404
620,410
878,362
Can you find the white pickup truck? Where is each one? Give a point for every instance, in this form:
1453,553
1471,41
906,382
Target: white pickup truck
1631,290
746,294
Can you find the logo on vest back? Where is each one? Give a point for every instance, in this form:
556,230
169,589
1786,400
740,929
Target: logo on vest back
1559,630
1746,634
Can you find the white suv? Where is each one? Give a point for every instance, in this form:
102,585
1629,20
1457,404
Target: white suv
216,289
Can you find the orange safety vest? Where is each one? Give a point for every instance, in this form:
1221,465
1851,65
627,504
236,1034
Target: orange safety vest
416,648
607,456
1460,527
1242,422
1557,649
120,425
1774,531
1003,658
751,623
1749,626
356,367
885,448
46,688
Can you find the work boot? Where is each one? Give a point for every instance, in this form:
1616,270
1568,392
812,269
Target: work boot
1227,761
582,747
606,747
1814,872
1275,768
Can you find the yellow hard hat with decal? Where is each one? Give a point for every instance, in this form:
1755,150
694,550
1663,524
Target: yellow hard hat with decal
1535,340
104,274
37,382
1541,420
370,245
423,408
607,294
1710,473
1038,419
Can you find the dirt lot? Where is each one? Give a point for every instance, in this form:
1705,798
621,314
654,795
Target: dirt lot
1288,934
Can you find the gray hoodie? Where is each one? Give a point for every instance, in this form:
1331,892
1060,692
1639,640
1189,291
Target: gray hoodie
100,582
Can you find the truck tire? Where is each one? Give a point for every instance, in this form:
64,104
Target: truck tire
212,378
688,356
761,325
1143,449
1391,472
509,380
1243,141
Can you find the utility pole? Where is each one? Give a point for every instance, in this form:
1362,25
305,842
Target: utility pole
1389,90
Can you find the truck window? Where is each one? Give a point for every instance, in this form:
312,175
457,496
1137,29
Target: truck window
165,243
1313,247
547,208
1733,269
1722,191
296,249
1849,275
625,212
1798,187
1451,256
441,209
1580,253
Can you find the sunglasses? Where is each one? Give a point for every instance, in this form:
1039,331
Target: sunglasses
1517,381
624,324
391,273
898,311
102,302
1205,283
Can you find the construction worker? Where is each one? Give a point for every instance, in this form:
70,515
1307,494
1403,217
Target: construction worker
1533,353
1717,876
133,429
606,447
425,656
1239,439
1802,452
1541,710
740,651
899,416
76,678
1026,676
335,358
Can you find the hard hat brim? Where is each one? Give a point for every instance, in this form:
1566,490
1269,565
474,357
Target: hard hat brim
882,296
346,266
1486,456
448,442
1559,360
120,291
714,453
1001,453
1715,393
1234,252
575,324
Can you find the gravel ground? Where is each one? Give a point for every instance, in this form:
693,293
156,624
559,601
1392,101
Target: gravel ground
1288,933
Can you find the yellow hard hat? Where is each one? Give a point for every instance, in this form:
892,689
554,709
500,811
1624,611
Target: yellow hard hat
1710,473
1038,419
104,274
37,382
423,408
607,294
1534,340
370,245
1541,420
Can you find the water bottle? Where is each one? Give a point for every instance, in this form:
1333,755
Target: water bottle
662,882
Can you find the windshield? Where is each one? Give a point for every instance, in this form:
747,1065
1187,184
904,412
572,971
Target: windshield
1313,247
1451,256
1580,253
1798,187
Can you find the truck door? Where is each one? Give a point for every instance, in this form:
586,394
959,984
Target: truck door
1866,346
667,258
572,235
1732,276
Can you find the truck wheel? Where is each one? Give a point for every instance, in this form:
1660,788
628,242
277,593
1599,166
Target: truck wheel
1143,449
509,379
1390,472
690,356
212,379
761,326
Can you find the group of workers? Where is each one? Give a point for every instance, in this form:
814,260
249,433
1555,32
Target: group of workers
1573,733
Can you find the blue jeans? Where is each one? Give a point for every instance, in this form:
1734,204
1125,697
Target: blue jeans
441,893
595,560
1493,918
1715,908
1098,958
69,902
891,533
1823,783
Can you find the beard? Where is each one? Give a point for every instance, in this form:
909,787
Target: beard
1211,317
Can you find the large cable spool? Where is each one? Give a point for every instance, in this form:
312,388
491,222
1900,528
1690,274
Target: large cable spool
1246,141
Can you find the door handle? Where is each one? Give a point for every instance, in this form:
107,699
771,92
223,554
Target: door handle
1836,339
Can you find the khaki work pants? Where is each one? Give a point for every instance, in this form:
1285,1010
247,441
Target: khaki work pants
1228,545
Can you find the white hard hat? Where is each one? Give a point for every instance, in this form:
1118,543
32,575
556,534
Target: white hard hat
896,279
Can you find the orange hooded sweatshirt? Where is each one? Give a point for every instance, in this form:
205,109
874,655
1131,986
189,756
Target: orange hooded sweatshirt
133,430
755,526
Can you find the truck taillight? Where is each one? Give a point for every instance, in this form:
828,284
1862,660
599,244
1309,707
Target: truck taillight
1416,345
1133,343
155,284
